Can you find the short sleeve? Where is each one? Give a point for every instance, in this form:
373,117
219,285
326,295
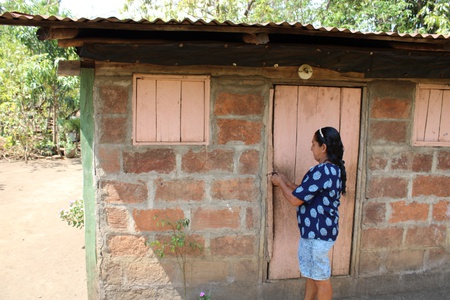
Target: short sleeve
312,183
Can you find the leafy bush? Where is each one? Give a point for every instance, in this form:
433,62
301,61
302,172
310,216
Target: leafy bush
74,215
180,243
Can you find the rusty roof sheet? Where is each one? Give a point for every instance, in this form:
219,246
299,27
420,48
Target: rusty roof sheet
17,18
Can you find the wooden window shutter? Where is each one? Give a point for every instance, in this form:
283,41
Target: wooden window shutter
431,116
170,109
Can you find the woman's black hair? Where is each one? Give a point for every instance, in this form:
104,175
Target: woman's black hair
335,149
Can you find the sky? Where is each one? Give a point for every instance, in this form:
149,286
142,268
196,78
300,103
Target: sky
93,8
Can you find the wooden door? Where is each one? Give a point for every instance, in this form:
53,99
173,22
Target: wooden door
298,112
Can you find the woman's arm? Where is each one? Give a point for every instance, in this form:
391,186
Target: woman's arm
289,183
286,188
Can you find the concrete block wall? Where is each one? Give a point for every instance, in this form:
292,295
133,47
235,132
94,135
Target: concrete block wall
406,213
402,239
218,187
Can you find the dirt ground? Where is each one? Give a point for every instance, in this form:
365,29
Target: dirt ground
41,256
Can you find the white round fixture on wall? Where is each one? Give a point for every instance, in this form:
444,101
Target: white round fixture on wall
305,71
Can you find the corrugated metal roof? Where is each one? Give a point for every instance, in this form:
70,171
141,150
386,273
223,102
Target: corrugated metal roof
17,18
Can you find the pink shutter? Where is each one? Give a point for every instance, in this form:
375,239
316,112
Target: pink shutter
431,122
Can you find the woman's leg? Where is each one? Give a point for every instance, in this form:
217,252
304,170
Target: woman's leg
324,289
310,289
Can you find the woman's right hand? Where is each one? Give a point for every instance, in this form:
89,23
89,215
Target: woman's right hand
276,178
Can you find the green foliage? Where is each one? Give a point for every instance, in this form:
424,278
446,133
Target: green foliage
426,16
74,215
32,96
179,243
71,125
259,11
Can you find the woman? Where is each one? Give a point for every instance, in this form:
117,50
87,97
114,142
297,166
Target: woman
317,200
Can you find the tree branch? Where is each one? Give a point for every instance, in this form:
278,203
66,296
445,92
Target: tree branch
249,7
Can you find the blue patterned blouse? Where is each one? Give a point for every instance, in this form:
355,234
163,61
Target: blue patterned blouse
318,216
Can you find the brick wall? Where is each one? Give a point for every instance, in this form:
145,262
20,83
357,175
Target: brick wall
401,230
218,187
406,212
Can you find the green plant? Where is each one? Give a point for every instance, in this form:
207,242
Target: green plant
74,215
71,124
179,243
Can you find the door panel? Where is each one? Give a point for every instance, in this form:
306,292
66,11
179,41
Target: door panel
298,113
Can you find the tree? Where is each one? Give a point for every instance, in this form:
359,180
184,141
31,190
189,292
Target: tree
239,11
407,16
422,16
32,96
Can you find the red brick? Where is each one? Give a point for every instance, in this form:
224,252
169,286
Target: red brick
158,160
123,192
381,238
235,104
114,99
371,262
123,245
249,218
405,260
390,108
249,162
139,293
206,161
401,162
232,130
181,189
111,271
246,272
150,220
443,160
378,162
429,236
244,189
208,271
216,218
422,162
109,160
382,132
113,130
146,271
233,245
391,187
438,258
374,213
117,218
431,185
441,211
402,212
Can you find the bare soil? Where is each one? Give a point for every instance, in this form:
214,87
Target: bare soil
41,256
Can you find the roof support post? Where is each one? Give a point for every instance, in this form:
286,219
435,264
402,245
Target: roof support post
87,141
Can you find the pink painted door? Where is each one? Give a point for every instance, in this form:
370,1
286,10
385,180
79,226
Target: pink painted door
298,112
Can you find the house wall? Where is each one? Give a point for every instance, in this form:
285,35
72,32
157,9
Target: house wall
402,218
405,208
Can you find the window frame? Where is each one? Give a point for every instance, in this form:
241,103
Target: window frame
420,120
138,140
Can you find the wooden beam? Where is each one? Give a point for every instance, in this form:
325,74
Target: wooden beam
373,63
69,68
49,33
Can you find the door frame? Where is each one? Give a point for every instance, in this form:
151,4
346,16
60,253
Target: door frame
360,188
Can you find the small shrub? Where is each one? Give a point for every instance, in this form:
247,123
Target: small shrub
180,244
74,215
